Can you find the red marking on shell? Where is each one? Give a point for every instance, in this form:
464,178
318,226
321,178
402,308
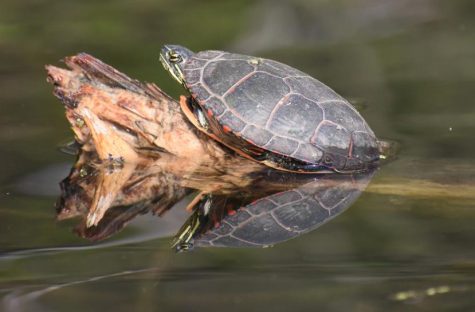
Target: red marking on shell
226,129
210,113
255,201
350,148
250,141
231,212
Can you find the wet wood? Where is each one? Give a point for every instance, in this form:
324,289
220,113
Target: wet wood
142,115
137,142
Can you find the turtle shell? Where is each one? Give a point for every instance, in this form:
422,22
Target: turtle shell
285,215
277,108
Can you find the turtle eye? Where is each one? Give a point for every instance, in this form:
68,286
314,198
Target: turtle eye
174,57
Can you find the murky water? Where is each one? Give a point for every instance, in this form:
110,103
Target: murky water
406,243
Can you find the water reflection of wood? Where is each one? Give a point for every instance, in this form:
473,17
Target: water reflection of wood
138,154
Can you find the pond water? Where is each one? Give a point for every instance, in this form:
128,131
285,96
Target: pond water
406,243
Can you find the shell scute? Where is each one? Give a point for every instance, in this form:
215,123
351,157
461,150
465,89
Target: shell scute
271,231
234,123
282,145
286,197
223,229
261,206
192,77
209,55
301,217
230,241
341,113
255,98
195,64
332,137
311,88
278,69
215,105
295,117
259,136
309,153
199,92
238,218
219,76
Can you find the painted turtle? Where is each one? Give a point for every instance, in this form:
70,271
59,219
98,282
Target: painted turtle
227,221
271,112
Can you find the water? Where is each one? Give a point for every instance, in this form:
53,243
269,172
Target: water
406,243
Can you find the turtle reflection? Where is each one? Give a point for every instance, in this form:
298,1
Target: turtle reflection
244,221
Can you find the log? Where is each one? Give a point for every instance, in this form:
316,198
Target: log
142,114
136,145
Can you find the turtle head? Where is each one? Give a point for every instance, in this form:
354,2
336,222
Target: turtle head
174,58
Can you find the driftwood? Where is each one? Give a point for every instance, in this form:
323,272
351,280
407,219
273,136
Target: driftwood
134,140
100,100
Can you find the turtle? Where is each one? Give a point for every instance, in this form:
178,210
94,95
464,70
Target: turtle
237,221
270,112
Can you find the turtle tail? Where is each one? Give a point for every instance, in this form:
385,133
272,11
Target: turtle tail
388,150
